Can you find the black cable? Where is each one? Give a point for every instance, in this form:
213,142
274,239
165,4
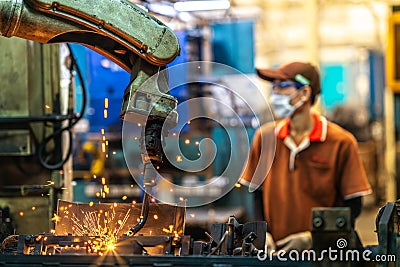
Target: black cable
71,123
143,216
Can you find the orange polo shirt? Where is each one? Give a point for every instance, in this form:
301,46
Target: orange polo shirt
322,171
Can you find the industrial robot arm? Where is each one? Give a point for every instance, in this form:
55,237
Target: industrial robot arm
117,29
127,35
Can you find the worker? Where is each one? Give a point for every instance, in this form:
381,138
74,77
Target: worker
316,162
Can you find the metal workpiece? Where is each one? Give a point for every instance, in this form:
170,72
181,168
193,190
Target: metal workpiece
117,29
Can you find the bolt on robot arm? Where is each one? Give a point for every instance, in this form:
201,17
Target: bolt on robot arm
122,32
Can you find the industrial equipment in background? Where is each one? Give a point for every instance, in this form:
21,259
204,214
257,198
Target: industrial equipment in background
106,234
141,47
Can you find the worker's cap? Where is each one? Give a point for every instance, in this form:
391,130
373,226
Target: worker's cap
300,72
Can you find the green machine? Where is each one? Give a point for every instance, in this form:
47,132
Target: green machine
31,101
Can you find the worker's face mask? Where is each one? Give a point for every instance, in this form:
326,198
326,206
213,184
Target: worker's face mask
281,104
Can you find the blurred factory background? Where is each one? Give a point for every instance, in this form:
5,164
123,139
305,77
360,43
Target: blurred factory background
45,157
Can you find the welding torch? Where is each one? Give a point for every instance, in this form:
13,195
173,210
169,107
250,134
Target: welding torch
148,103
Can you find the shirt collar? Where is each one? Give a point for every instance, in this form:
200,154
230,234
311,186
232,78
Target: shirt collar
317,134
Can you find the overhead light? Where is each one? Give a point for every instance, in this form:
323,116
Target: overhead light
143,7
162,8
188,6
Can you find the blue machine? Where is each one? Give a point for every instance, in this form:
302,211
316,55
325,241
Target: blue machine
233,44
103,79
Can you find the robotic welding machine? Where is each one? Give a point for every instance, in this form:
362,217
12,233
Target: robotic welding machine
127,35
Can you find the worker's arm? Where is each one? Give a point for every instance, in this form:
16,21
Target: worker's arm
261,156
355,205
353,178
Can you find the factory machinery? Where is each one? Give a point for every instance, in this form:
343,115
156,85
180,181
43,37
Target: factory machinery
144,234
99,235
